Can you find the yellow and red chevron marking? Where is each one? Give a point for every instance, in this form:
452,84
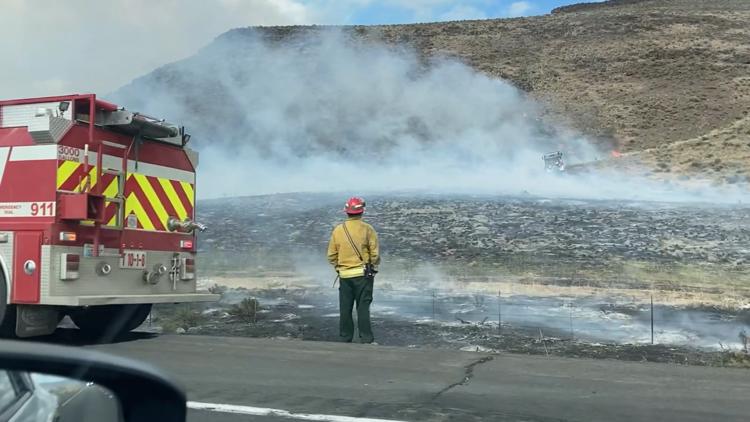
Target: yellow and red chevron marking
151,199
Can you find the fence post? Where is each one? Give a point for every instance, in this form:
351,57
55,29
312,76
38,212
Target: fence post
499,314
570,304
541,338
652,318
434,297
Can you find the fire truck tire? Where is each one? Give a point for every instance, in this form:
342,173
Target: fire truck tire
110,320
7,312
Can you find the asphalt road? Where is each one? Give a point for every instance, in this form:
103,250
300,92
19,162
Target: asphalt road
437,385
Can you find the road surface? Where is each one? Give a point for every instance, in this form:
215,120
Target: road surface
252,376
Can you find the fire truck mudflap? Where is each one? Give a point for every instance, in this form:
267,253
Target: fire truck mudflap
105,228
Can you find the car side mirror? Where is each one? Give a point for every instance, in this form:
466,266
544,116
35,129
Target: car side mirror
49,382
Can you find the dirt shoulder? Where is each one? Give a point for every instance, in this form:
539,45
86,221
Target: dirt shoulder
706,293
599,327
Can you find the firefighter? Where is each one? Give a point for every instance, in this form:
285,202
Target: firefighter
353,251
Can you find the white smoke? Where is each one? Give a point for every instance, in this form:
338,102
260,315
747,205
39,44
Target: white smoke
328,112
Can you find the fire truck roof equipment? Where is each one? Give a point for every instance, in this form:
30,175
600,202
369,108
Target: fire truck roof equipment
113,117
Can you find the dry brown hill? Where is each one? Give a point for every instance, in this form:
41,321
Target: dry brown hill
644,72
668,77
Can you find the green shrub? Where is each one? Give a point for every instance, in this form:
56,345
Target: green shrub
217,289
246,310
183,317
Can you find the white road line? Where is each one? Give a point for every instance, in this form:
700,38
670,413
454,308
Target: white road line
264,411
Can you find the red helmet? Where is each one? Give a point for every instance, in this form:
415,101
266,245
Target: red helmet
355,206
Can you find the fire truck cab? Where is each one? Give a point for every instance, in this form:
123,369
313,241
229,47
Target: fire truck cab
97,216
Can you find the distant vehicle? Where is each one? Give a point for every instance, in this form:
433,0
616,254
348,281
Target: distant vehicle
105,227
553,162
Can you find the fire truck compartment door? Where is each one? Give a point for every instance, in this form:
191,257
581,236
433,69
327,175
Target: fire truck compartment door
27,267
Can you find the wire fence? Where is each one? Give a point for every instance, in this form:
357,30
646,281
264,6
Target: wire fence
649,303
589,318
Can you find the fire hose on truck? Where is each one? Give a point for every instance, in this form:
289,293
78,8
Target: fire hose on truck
97,215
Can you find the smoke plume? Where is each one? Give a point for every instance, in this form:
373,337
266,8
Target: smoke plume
324,110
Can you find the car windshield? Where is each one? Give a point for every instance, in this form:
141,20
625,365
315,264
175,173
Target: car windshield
395,210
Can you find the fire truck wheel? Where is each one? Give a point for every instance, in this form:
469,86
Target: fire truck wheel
140,315
110,320
7,312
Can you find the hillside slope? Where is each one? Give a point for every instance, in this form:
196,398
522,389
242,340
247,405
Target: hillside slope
643,72
638,74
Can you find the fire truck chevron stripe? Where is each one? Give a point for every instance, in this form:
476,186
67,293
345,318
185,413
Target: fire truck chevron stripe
173,198
146,205
163,198
106,182
133,205
65,171
73,179
110,210
111,190
110,214
91,180
152,199
186,203
188,188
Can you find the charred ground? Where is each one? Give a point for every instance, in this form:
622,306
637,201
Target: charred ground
695,247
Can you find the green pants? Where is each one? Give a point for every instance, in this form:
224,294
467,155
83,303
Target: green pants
359,290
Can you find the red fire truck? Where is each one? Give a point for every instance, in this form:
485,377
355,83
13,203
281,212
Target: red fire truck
97,207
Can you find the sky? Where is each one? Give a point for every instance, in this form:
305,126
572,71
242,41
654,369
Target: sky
55,47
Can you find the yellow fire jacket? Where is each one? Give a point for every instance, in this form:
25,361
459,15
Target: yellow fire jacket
341,254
